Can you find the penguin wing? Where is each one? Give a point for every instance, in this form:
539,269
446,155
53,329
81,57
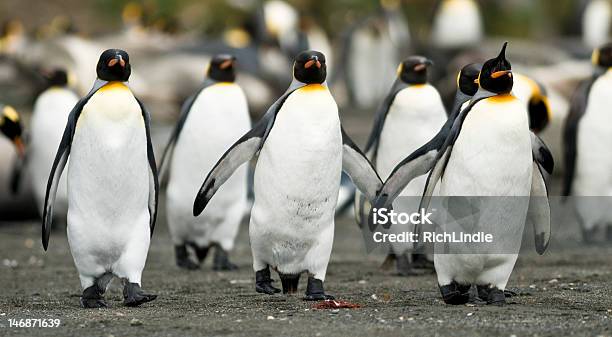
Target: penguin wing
539,207
381,116
242,151
570,132
59,163
16,173
359,168
153,178
185,109
538,212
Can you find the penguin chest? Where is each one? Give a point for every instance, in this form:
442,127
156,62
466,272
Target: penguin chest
413,119
492,154
457,24
299,166
108,171
218,117
594,159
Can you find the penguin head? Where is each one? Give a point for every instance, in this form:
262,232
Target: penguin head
221,68
309,67
602,56
10,126
467,79
413,70
56,77
114,65
496,74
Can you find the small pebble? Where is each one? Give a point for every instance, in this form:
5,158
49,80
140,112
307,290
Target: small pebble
135,322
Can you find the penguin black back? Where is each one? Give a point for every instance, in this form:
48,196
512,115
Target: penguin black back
222,68
496,74
310,68
114,65
413,70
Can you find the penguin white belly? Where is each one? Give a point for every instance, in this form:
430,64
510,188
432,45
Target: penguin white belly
415,117
490,158
457,24
296,185
108,187
217,118
593,175
49,119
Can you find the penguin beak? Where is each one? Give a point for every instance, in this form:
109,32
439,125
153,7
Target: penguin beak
117,59
226,64
501,73
314,61
423,66
502,52
20,146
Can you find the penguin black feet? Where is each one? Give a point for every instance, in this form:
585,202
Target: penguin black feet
290,283
420,261
134,296
405,267
492,295
221,260
315,291
263,282
93,297
455,293
182,258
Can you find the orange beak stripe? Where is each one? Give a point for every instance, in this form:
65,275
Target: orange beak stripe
310,64
226,64
501,73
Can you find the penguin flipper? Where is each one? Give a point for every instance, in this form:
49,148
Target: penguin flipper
541,154
381,116
359,168
153,178
570,132
538,212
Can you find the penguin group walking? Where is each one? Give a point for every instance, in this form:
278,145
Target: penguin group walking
485,146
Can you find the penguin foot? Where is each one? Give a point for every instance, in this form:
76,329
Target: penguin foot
405,267
221,260
510,293
492,295
420,261
134,296
263,282
388,262
455,293
201,252
93,297
290,283
315,291
182,258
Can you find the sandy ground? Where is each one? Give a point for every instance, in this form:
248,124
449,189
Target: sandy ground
561,293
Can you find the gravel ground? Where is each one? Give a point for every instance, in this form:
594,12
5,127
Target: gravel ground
561,293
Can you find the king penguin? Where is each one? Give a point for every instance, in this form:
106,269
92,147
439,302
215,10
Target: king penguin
457,24
112,185
410,115
302,151
49,118
588,160
210,122
11,128
533,95
488,152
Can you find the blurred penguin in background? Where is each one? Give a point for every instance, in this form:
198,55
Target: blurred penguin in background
588,159
533,94
49,118
457,24
383,36
596,20
210,122
410,115
10,126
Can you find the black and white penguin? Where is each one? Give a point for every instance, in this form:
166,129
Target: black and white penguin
211,120
410,115
533,95
457,24
596,22
49,118
587,158
302,151
489,151
112,185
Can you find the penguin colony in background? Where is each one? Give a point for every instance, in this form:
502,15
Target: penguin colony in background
487,146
